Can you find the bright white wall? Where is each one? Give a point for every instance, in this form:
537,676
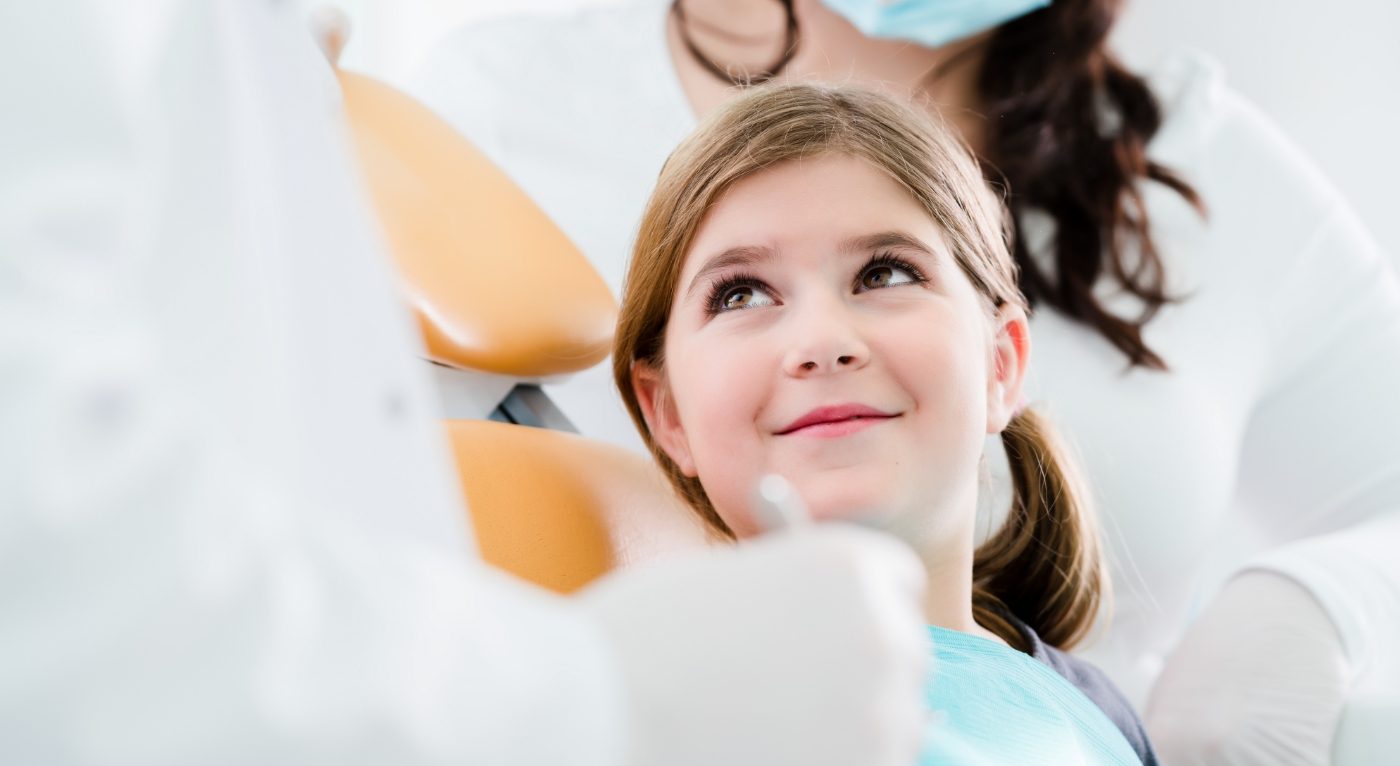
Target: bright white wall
1328,73
391,36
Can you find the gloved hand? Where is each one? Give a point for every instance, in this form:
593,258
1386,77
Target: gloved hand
1260,679
803,648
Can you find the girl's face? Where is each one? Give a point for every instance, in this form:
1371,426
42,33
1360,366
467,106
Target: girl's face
821,330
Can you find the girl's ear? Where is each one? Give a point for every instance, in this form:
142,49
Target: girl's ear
1011,352
659,410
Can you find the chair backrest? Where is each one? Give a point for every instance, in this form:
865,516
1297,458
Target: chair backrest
502,295
559,509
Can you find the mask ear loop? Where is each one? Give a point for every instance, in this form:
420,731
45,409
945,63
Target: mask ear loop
726,74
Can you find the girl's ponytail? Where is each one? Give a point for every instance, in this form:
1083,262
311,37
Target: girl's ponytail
1044,565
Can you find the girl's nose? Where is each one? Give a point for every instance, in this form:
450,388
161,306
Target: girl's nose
825,340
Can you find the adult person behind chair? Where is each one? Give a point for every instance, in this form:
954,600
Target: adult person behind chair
1219,336
228,532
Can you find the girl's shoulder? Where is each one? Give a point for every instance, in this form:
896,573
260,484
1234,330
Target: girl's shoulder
1009,707
1094,684
1104,694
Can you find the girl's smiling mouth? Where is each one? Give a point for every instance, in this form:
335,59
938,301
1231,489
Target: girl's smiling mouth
837,420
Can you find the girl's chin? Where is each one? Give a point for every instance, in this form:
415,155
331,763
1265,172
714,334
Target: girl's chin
876,512
859,494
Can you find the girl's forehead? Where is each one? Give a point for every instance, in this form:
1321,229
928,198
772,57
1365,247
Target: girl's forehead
813,202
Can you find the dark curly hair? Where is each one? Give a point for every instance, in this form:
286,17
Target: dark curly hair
1067,130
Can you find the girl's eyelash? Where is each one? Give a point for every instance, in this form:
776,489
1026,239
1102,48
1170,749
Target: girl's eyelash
717,291
713,301
886,258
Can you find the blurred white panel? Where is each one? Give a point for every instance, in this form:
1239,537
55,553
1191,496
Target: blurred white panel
391,36
1327,73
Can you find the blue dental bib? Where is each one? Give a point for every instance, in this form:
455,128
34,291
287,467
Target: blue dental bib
991,704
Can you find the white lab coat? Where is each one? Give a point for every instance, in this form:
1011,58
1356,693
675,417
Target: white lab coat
227,528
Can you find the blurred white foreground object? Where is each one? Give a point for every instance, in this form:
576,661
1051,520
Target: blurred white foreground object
228,530
1265,651
777,506
774,683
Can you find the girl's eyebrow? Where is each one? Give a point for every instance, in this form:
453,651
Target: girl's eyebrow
885,239
745,255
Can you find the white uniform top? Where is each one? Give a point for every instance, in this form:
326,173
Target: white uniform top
228,532
1275,431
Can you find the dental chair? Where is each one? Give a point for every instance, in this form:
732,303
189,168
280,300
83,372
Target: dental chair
506,302
549,506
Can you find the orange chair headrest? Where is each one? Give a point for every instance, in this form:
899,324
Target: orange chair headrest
496,286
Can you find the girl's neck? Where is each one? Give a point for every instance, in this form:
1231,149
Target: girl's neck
747,34
943,539
948,596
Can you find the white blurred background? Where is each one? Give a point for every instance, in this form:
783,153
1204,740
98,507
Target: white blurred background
1327,73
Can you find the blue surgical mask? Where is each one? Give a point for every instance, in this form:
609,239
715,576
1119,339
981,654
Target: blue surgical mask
931,23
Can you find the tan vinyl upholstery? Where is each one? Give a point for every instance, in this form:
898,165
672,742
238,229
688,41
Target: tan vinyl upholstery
497,288
559,509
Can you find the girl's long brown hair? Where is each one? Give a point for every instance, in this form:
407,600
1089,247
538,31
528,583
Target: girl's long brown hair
1044,564
1067,128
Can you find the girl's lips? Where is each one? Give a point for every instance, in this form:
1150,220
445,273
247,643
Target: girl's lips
835,428
839,420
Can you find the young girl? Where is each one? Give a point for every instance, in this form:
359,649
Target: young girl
821,288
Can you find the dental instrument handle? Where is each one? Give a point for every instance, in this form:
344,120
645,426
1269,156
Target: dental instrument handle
777,506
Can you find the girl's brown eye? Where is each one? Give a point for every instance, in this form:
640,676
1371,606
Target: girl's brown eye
738,298
886,272
880,276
